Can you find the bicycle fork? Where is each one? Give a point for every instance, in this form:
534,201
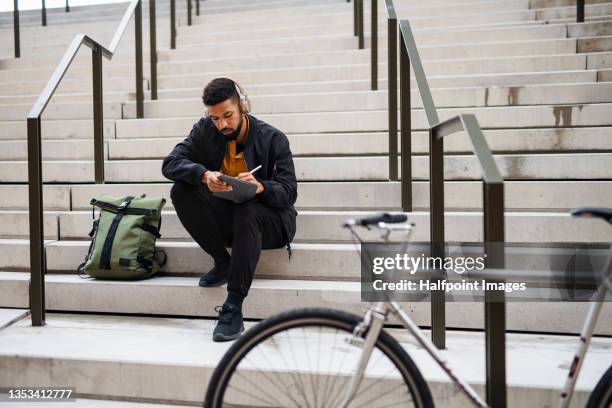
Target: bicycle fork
373,323
585,336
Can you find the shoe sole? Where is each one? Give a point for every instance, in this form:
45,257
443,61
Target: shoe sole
221,337
223,282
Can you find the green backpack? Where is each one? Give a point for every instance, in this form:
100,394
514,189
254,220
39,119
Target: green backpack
123,238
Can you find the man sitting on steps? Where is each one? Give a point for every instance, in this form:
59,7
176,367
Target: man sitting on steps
232,142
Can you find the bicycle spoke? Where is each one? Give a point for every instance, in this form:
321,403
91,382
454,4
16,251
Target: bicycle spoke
386,392
333,387
303,387
318,354
350,377
229,387
265,375
309,368
325,390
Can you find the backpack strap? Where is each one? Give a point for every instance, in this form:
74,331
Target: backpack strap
105,258
153,230
122,207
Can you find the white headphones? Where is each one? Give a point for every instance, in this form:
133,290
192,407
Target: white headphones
245,103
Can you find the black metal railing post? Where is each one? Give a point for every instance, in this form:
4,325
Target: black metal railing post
43,11
16,33
580,11
153,48
392,85
374,44
172,24
188,12
436,233
406,127
495,308
98,113
37,246
139,75
360,24
67,7
197,7
355,18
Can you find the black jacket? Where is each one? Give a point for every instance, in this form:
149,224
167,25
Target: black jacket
204,149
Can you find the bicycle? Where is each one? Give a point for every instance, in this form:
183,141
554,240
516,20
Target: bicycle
271,364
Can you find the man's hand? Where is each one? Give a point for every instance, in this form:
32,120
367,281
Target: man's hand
248,177
211,179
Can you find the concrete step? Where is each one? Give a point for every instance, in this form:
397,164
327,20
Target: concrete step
64,347
194,34
519,140
77,110
82,72
595,44
326,122
605,75
423,17
582,166
458,53
69,86
57,129
324,226
369,100
520,195
10,316
336,43
363,71
604,9
331,102
512,79
180,296
372,196
367,121
68,98
499,141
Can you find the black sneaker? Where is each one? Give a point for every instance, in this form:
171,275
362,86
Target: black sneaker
217,276
229,326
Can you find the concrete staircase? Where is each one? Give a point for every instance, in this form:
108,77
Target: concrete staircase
539,84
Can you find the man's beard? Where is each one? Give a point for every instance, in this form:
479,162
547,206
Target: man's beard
235,133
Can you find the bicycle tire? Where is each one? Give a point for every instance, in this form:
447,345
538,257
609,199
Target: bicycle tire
601,397
311,317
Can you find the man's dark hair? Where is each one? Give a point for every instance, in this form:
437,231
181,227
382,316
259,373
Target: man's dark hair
219,90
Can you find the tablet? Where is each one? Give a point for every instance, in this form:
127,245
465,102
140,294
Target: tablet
241,190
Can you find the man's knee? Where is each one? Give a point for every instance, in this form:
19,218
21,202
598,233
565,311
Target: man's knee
181,190
245,213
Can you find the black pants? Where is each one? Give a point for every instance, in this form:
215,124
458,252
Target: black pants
216,223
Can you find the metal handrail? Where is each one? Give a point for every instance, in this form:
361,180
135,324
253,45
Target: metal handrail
494,231
37,256
493,209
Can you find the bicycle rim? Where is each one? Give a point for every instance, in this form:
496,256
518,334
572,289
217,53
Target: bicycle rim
304,358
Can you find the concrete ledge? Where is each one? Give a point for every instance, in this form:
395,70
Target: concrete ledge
181,296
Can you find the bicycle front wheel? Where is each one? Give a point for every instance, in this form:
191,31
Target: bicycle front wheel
306,358
601,397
